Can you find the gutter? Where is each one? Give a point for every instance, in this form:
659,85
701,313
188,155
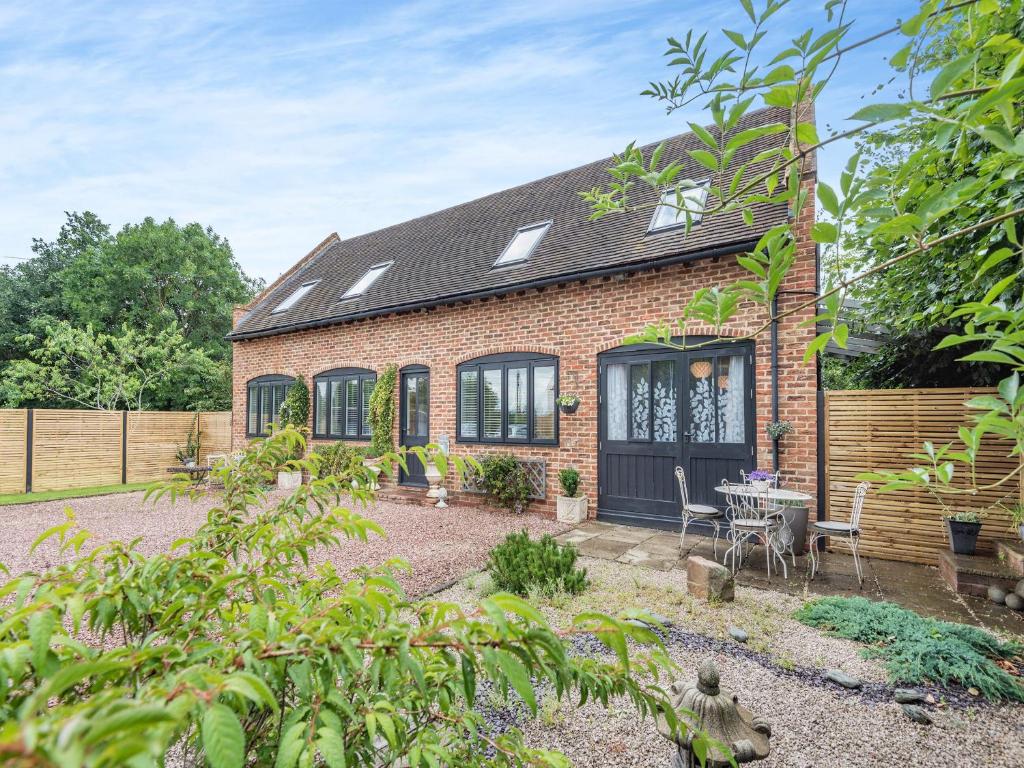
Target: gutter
708,253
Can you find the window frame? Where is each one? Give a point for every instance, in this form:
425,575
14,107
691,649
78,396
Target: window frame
503,362
382,269
695,220
268,382
342,376
294,297
545,226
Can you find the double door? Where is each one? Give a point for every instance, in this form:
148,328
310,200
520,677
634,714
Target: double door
660,409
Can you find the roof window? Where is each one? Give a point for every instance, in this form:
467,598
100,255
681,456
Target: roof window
363,284
294,298
523,243
678,203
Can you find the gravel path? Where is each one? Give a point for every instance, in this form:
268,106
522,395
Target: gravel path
441,545
778,674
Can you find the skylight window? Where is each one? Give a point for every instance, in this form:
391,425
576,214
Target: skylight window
672,210
523,243
363,284
294,299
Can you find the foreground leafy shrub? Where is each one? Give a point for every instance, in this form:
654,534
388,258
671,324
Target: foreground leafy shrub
234,652
918,649
521,565
505,481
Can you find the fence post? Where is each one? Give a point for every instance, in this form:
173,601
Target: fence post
124,447
28,450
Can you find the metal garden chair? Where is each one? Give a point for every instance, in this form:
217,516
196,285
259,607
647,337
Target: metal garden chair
752,522
700,512
848,533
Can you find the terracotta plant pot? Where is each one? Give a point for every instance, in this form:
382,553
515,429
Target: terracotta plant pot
963,536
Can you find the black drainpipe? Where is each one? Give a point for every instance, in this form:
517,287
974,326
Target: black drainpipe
775,379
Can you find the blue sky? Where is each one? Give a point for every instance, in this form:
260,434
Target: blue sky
278,123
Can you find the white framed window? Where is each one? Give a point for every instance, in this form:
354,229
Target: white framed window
295,297
362,285
676,203
524,242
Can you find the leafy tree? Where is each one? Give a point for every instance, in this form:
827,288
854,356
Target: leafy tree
150,276
955,191
228,650
130,370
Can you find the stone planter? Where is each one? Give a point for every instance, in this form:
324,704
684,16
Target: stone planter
963,536
760,485
288,481
433,476
571,509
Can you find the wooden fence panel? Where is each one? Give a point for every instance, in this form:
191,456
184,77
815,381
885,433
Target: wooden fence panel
13,434
153,439
74,449
874,430
215,431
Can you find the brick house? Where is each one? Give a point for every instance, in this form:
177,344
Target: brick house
492,308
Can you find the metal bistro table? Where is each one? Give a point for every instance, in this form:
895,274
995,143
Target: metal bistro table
196,473
792,500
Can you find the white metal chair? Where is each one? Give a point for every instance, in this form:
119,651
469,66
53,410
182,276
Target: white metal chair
848,533
701,512
751,522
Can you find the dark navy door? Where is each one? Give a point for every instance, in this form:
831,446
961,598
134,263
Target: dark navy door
414,421
660,409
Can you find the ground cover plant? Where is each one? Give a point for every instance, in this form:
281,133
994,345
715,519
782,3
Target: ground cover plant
917,649
524,566
505,480
229,650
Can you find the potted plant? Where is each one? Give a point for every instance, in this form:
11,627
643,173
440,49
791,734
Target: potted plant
760,479
188,455
963,528
570,507
568,403
1017,519
294,412
776,429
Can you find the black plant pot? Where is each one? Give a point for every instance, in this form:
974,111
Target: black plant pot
569,408
963,537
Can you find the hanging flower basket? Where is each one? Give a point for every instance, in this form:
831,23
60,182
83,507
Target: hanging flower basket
568,403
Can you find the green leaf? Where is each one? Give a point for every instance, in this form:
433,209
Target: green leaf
949,73
223,739
40,629
519,678
705,158
292,744
704,135
827,198
878,113
331,748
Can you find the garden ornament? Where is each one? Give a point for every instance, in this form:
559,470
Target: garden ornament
442,498
718,714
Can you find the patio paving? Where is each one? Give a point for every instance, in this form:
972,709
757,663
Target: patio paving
917,587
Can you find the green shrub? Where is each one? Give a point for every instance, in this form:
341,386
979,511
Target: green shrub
521,565
227,650
505,480
382,412
918,649
569,479
340,460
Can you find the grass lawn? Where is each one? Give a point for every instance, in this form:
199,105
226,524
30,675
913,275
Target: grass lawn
67,493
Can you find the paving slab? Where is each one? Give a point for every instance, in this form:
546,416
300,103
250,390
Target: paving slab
640,556
632,535
575,536
608,549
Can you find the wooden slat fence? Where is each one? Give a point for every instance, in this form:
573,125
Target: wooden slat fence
52,449
874,430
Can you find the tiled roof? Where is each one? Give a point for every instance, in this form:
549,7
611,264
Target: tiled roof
449,255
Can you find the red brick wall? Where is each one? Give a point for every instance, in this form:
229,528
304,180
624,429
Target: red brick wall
574,322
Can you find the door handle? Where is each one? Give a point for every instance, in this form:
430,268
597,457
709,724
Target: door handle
686,437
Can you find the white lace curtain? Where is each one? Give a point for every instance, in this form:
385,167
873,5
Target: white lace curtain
618,401
731,426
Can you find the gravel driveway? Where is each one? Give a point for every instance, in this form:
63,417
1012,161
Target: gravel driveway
440,544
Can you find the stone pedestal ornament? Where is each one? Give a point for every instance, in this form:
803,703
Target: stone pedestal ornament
433,480
442,498
718,714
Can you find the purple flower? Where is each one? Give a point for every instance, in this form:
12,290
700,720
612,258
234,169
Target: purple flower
760,474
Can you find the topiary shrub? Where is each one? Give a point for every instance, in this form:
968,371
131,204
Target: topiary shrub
917,649
505,480
522,566
382,412
569,479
